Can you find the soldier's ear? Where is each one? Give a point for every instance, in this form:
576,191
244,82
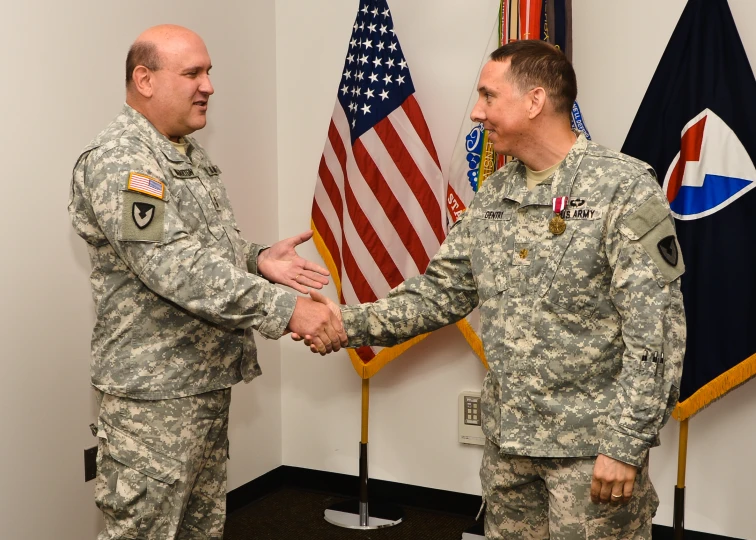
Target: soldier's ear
536,101
143,81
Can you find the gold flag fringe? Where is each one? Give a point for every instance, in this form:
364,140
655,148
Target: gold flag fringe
326,255
473,340
716,388
368,369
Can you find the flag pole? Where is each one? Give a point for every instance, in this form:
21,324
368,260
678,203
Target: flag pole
363,453
679,516
355,513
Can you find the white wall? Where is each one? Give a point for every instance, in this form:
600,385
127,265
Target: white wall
62,83
276,75
617,46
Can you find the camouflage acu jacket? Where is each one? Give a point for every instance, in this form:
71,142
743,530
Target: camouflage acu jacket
173,281
571,322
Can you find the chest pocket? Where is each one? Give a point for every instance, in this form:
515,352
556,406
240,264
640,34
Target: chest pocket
220,198
490,232
199,205
575,272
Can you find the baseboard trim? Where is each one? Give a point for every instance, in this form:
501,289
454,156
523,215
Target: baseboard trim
258,488
438,500
662,532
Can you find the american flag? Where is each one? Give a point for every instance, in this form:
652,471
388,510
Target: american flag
145,184
378,207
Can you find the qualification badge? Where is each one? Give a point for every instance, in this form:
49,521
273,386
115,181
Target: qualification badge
557,224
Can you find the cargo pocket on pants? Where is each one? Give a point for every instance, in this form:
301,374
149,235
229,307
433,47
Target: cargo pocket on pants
606,528
132,478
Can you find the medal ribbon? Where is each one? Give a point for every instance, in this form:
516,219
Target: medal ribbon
558,204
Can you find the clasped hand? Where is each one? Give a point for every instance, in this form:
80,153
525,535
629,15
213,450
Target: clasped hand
321,342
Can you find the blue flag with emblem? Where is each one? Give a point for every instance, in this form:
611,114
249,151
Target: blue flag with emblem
697,127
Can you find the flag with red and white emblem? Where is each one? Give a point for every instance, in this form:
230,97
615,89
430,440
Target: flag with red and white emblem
697,127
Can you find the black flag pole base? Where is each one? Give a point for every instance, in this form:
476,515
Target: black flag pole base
475,532
359,513
353,514
678,527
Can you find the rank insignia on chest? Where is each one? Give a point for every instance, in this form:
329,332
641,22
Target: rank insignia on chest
146,184
213,170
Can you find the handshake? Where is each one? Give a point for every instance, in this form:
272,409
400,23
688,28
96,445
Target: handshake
317,321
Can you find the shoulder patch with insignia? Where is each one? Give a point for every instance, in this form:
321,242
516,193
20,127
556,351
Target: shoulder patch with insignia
143,214
143,218
668,249
148,185
651,225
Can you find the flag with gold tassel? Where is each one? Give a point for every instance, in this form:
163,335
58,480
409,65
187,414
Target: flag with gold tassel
696,127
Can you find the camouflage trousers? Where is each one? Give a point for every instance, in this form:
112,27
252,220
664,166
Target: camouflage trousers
161,467
540,498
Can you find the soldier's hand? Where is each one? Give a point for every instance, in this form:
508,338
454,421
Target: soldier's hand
318,324
612,481
321,298
281,264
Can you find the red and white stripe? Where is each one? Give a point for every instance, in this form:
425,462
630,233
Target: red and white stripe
379,205
558,204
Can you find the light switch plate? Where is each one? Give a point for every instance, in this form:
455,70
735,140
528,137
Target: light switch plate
469,419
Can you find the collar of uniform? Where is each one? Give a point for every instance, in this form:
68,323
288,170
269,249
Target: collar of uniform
191,149
517,189
540,194
157,139
514,181
557,185
564,176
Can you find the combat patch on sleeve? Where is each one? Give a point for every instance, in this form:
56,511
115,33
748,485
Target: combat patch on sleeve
651,225
668,249
142,219
148,185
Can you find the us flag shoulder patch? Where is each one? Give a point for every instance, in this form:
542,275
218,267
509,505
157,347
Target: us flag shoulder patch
146,184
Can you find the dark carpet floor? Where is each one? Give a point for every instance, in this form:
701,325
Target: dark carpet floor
293,514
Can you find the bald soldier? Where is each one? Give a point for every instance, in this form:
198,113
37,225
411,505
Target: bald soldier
570,254
177,292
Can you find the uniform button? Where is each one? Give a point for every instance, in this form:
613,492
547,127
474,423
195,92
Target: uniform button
523,253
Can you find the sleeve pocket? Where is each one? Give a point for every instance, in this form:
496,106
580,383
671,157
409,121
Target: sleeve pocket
642,389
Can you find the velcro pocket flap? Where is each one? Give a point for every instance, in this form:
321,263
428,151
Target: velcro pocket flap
130,451
646,217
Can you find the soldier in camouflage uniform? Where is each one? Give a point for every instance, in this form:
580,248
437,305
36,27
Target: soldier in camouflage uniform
570,253
177,293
